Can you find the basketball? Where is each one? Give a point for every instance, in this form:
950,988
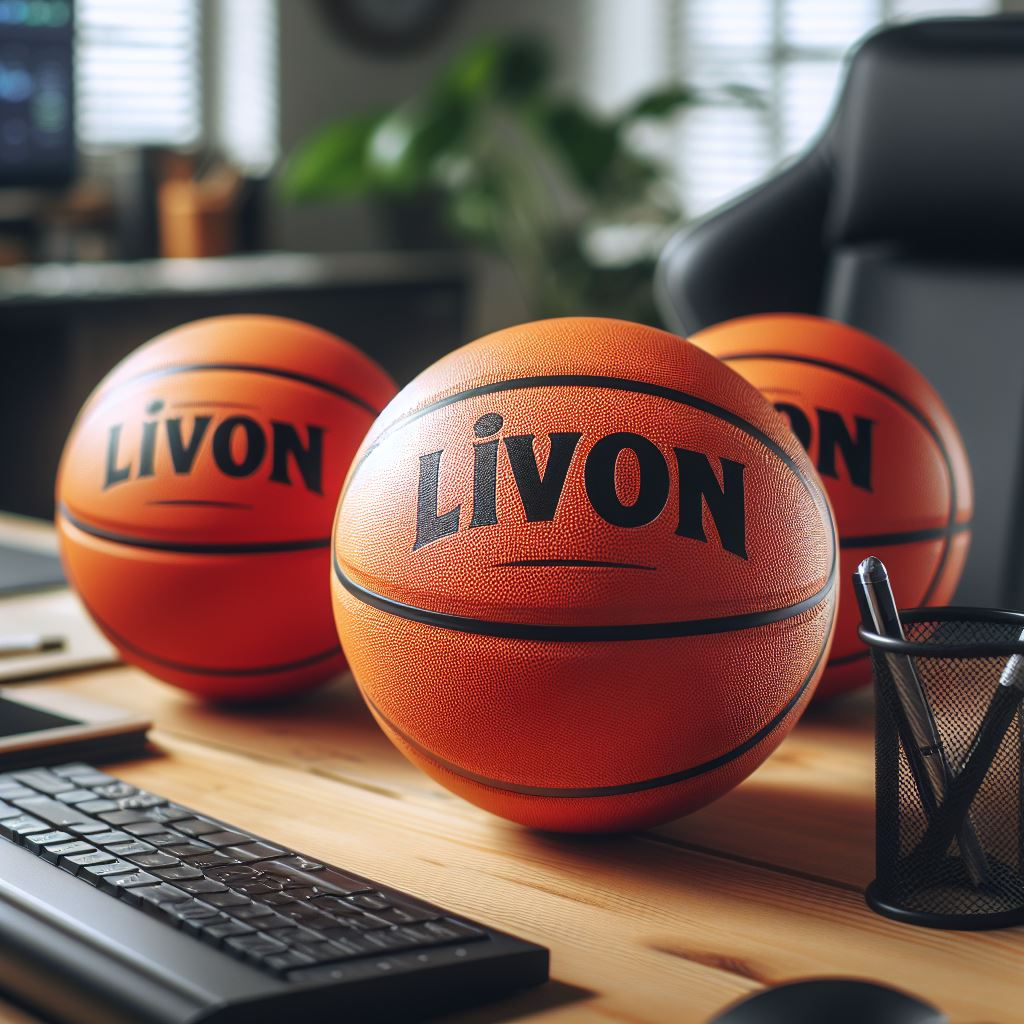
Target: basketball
584,575
887,450
195,496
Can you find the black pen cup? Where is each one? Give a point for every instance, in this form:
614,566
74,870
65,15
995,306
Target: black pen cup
957,657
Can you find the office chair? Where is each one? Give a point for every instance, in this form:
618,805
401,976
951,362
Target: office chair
905,218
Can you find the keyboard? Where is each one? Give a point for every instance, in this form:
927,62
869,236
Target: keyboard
118,906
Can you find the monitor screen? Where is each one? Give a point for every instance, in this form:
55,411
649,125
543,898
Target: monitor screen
37,145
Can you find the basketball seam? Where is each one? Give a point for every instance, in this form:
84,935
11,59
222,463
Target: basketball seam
267,371
177,547
259,670
658,782
581,634
909,407
909,537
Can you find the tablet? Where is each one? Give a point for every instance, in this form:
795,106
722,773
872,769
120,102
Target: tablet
46,725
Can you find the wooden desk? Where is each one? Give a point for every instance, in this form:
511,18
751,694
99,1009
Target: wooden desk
761,887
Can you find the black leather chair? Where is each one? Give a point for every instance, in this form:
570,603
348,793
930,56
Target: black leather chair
906,219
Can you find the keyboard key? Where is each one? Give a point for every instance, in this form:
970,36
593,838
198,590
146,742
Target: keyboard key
82,860
225,900
118,817
161,893
223,838
232,874
369,901
197,827
255,947
140,801
92,873
281,963
296,860
88,828
74,768
97,806
405,913
8,811
110,837
127,881
114,790
11,790
161,838
193,910
212,859
43,781
57,850
23,825
226,929
326,880
275,922
145,828
199,886
131,848
447,930
178,873
75,796
37,840
156,859
168,812
83,774
51,810
246,911
190,849
252,851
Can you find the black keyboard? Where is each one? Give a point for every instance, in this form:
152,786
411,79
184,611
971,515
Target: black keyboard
117,905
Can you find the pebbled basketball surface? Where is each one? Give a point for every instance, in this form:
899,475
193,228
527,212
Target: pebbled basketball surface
596,655
211,578
909,499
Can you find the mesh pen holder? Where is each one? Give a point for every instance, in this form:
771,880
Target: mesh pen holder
977,881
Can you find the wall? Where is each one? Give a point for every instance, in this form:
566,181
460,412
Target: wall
324,76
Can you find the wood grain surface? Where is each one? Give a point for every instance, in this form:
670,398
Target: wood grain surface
762,887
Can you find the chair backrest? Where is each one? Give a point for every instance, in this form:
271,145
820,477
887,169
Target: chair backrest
918,186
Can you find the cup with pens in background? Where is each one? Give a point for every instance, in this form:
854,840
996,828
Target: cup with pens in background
949,684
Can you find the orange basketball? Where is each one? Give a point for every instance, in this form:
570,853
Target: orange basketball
195,496
584,575
887,451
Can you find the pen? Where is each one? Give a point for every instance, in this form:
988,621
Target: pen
952,816
20,644
919,733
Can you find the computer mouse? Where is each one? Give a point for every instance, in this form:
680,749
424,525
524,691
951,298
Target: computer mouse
831,1001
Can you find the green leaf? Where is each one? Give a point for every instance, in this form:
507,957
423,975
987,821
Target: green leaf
586,145
510,70
661,103
406,146
332,163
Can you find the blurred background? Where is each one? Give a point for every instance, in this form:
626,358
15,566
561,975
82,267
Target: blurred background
407,173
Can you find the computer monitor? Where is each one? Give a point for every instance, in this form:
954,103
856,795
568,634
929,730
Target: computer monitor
37,144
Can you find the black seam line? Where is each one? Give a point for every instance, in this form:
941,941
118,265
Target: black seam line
255,548
267,371
581,634
909,537
199,503
629,787
554,562
899,400
258,670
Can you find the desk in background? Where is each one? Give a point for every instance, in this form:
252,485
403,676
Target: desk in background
62,327
761,887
